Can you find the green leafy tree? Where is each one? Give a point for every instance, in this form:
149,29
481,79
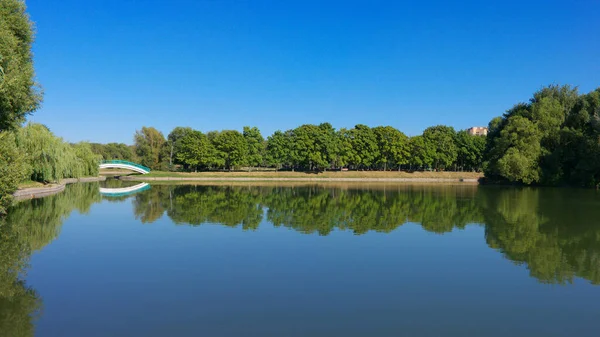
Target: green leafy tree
442,139
346,153
278,150
174,143
422,153
331,144
232,148
310,147
393,147
256,146
470,150
550,140
20,95
196,151
518,145
149,143
364,146
118,151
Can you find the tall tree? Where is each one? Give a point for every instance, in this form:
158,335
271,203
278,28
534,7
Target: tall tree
517,149
393,147
174,142
364,144
421,152
310,147
196,151
256,146
470,150
20,95
442,139
550,140
232,148
278,149
148,145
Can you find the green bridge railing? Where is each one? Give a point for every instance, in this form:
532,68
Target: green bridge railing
125,162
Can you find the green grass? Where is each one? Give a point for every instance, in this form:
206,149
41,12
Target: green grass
30,184
328,174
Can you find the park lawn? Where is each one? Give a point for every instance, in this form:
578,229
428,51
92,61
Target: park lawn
327,174
30,184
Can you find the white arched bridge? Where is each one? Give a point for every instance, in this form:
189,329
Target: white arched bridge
124,164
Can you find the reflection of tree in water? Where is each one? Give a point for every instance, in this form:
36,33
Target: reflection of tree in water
440,209
554,231
226,205
196,205
149,206
321,210
28,227
19,304
548,230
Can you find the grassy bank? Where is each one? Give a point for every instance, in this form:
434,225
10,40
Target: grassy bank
30,184
329,174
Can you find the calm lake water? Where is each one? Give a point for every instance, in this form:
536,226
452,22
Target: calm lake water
326,260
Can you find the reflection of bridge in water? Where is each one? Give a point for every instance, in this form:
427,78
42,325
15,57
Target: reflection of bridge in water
123,191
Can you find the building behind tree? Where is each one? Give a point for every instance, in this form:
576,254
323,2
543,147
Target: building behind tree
478,131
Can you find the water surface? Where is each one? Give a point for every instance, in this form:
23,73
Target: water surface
302,260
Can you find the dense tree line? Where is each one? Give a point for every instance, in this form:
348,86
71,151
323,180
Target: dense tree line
311,148
553,139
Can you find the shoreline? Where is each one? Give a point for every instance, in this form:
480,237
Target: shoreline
52,189
40,192
307,179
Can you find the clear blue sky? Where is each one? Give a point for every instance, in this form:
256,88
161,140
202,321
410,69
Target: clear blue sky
109,67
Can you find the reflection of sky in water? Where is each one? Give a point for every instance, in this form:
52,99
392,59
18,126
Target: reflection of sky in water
164,277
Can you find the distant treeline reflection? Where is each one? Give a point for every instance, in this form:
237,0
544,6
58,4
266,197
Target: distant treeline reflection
554,232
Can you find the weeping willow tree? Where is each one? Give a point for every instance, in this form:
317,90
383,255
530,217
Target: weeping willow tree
52,158
13,168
